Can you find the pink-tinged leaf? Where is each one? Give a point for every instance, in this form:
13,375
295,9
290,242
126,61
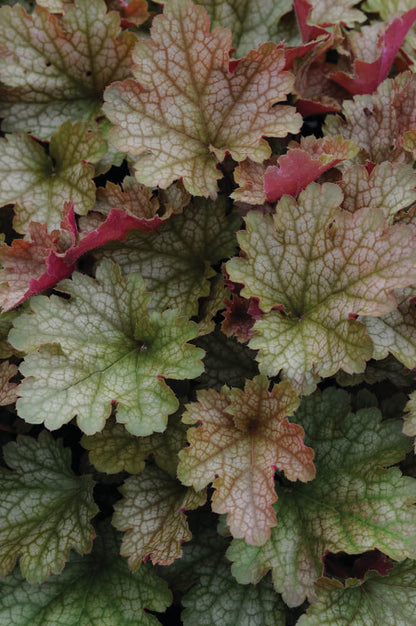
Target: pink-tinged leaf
188,110
239,317
30,267
133,198
242,439
368,75
309,32
132,12
379,122
152,512
304,163
8,393
373,561
55,68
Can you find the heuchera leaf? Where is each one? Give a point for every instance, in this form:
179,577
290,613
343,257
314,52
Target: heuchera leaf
354,504
40,184
378,371
378,600
152,512
94,590
6,323
250,21
319,265
409,427
303,163
176,262
133,198
326,12
114,449
242,439
396,332
45,510
189,110
369,74
102,347
7,389
386,7
218,599
389,187
31,266
57,69
378,122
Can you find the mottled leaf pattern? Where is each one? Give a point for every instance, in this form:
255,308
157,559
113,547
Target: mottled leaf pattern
7,389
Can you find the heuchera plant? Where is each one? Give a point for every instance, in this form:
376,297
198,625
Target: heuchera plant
208,322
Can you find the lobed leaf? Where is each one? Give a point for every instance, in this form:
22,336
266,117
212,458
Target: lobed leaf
7,389
94,590
45,510
317,266
189,110
102,347
58,69
242,438
354,504
152,512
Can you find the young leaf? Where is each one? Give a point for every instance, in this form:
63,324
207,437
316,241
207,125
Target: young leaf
326,12
377,600
243,437
94,590
377,123
7,389
131,197
31,266
176,261
57,69
319,264
218,599
102,347
354,504
45,510
39,184
189,110
153,514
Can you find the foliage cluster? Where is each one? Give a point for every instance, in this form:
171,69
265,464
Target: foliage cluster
208,327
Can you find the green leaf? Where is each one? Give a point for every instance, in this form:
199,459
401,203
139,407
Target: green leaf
57,69
100,347
354,504
45,510
39,184
378,371
114,449
197,110
218,599
396,332
386,7
332,12
6,323
389,600
251,21
242,437
94,590
152,512
321,265
176,262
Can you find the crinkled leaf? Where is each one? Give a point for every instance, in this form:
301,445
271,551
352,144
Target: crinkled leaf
6,323
370,72
102,347
226,361
40,184
378,122
94,590
189,110
389,187
409,427
319,264
45,510
133,198
354,504
242,438
7,389
303,163
218,599
176,261
378,371
396,332
152,512
212,304
57,69
239,317
251,21
31,266
386,7
327,12
389,600
114,449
